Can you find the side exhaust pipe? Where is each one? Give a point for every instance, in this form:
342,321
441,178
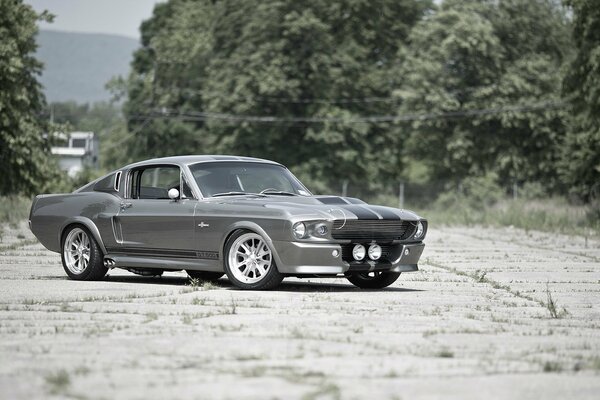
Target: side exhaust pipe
109,263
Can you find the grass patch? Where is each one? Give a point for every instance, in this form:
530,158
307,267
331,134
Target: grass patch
199,301
152,316
194,283
209,285
548,215
66,307
445,353
232,309
553,307
595,363
552,366
326,390
198,284
14,209
187,319
255,372
58,381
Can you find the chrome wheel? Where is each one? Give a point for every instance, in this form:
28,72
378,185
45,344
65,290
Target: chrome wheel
76,251
250,258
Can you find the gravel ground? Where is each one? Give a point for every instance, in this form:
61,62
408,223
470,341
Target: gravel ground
473,323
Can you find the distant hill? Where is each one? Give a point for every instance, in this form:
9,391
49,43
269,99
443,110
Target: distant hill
78,65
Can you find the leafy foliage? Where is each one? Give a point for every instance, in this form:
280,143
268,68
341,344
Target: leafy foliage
26,166
491,56
252,58
581,157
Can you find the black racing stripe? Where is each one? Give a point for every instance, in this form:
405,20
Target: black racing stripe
332,200
151,252
361,212
352,200
385,213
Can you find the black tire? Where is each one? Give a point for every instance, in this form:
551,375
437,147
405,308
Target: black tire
95,269
204,275
373,280
272,278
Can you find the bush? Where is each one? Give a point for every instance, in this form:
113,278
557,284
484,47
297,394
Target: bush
14,209
476,193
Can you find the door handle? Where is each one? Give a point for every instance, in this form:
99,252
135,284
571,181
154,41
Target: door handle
125,205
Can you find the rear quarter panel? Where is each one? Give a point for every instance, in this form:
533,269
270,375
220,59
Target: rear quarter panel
51,213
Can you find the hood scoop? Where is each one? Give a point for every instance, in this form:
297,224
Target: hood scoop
333,200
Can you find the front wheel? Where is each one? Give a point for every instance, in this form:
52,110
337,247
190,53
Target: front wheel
249,262
81,256
373,280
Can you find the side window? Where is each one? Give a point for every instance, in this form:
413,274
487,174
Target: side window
154,182
107,184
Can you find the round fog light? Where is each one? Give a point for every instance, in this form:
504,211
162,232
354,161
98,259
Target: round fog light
358,252
374,252
335,253
406,252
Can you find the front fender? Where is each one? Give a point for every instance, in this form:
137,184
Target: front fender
252,226
89,224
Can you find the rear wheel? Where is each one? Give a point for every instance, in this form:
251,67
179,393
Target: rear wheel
249,262
81,256
204,275
373,280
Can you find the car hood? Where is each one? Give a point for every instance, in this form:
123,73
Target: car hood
321,207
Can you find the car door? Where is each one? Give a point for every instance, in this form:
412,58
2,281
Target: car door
150,222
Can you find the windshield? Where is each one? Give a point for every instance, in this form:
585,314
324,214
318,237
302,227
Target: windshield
230,178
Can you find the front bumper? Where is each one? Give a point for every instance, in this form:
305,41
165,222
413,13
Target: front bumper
300,258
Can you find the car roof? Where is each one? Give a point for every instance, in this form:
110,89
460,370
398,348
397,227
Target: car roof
193,159
181,161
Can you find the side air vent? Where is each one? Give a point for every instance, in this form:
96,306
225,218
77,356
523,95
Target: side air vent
117,181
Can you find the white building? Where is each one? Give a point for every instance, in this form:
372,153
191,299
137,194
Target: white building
81,150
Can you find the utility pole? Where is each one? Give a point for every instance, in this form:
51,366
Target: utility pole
401,195
345,188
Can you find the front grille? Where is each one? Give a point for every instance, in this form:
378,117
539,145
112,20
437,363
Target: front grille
367,230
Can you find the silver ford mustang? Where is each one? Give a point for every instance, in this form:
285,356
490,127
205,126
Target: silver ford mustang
246,217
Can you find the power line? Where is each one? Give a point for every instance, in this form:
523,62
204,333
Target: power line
176,90
200,116
128,135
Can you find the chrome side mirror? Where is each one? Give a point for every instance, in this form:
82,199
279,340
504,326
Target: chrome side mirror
174,194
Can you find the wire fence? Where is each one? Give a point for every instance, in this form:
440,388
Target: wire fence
403,194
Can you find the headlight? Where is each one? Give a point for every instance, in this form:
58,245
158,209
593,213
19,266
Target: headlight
310,229
321,230
419,232
299,230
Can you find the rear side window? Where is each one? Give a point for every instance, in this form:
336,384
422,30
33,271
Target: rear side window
108,184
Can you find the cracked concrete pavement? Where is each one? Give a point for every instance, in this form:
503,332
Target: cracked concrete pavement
473,323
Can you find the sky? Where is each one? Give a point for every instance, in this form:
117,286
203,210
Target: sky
117,17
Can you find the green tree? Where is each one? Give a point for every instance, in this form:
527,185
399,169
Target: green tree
581,156
498,56
284,59
26,167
